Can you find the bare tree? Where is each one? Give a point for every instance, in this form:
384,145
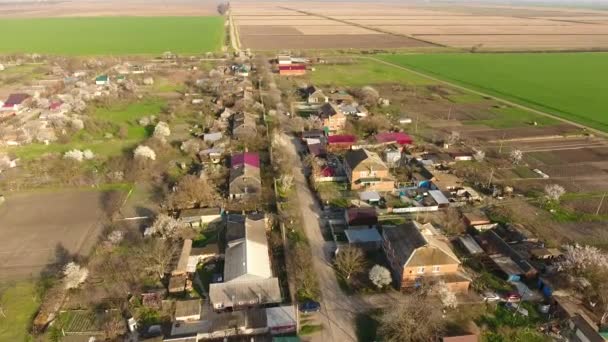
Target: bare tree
452,222
156,255
415,319
554,192
380,276
454,138
349,261
192,191
223,8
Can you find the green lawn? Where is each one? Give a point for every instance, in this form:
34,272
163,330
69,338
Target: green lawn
112,35
513,117
570,85
363,72
20,303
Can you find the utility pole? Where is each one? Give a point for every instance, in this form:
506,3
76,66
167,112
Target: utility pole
599,207
449,113
501,142
491,176
417,118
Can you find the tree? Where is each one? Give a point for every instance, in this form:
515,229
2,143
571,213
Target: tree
380,276
579,259
165,226
349,261
554,192
454,138
162,130
192,191
414,319
479,155
156,255
516,156
452,222
369,96
144,152
74,275
223,8
448,298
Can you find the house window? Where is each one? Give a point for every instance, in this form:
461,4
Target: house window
420,270
362,173
435,269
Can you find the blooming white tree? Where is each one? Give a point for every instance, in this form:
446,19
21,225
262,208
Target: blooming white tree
165,225
554,192
285,182
454,138
74,275
116,237
448,298
578,259
516,156
144,152
162,130
479,155
380,276
76,155
88,154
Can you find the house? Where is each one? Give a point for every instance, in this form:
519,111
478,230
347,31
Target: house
102,80
282,320
199,217
187,310
248,279
417,254
245,159
348,109
314,95
365,170
246,325
368,239
333,119
361,218
245,182
340,142
292,69
243,125
399,138
506,258
15,102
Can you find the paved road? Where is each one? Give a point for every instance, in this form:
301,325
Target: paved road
510,103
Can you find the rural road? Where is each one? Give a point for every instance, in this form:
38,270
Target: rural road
337,309
499,99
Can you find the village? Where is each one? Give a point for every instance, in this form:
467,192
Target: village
272,204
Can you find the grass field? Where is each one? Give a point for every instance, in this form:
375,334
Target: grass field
513,117
570,85
362,73
112,35
125,114
20,303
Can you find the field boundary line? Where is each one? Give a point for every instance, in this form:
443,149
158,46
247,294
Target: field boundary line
480,93
375,29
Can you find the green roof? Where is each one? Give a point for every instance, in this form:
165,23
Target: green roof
286,339
102,78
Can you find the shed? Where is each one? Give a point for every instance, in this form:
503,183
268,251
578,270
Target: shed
368,239
187,310
470,244
440,198
102,80
508,267
212,137
281,319
369,196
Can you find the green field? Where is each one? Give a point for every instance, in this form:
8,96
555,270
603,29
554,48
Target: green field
19,302
362,73
112,35
569,85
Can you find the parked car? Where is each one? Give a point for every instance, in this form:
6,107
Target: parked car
512,297
310,306
490,296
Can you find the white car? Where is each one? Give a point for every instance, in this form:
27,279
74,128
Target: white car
489,296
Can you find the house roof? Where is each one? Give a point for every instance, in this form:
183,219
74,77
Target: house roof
369,196
182,262
362,235
419,245
311,89
361,216
393,137
102,78
587,328
313,133
341,139
15,99
198,212
245,158
355,157
316,149
299,66
327,110
492,244
281,316
247,254
470,244
243,178
265,291
186,308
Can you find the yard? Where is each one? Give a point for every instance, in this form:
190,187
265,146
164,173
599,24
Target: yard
112,35
19,303
564,84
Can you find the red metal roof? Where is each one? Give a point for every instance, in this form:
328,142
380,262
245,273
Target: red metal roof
284,67
398,137
15,99
245,158
341,139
